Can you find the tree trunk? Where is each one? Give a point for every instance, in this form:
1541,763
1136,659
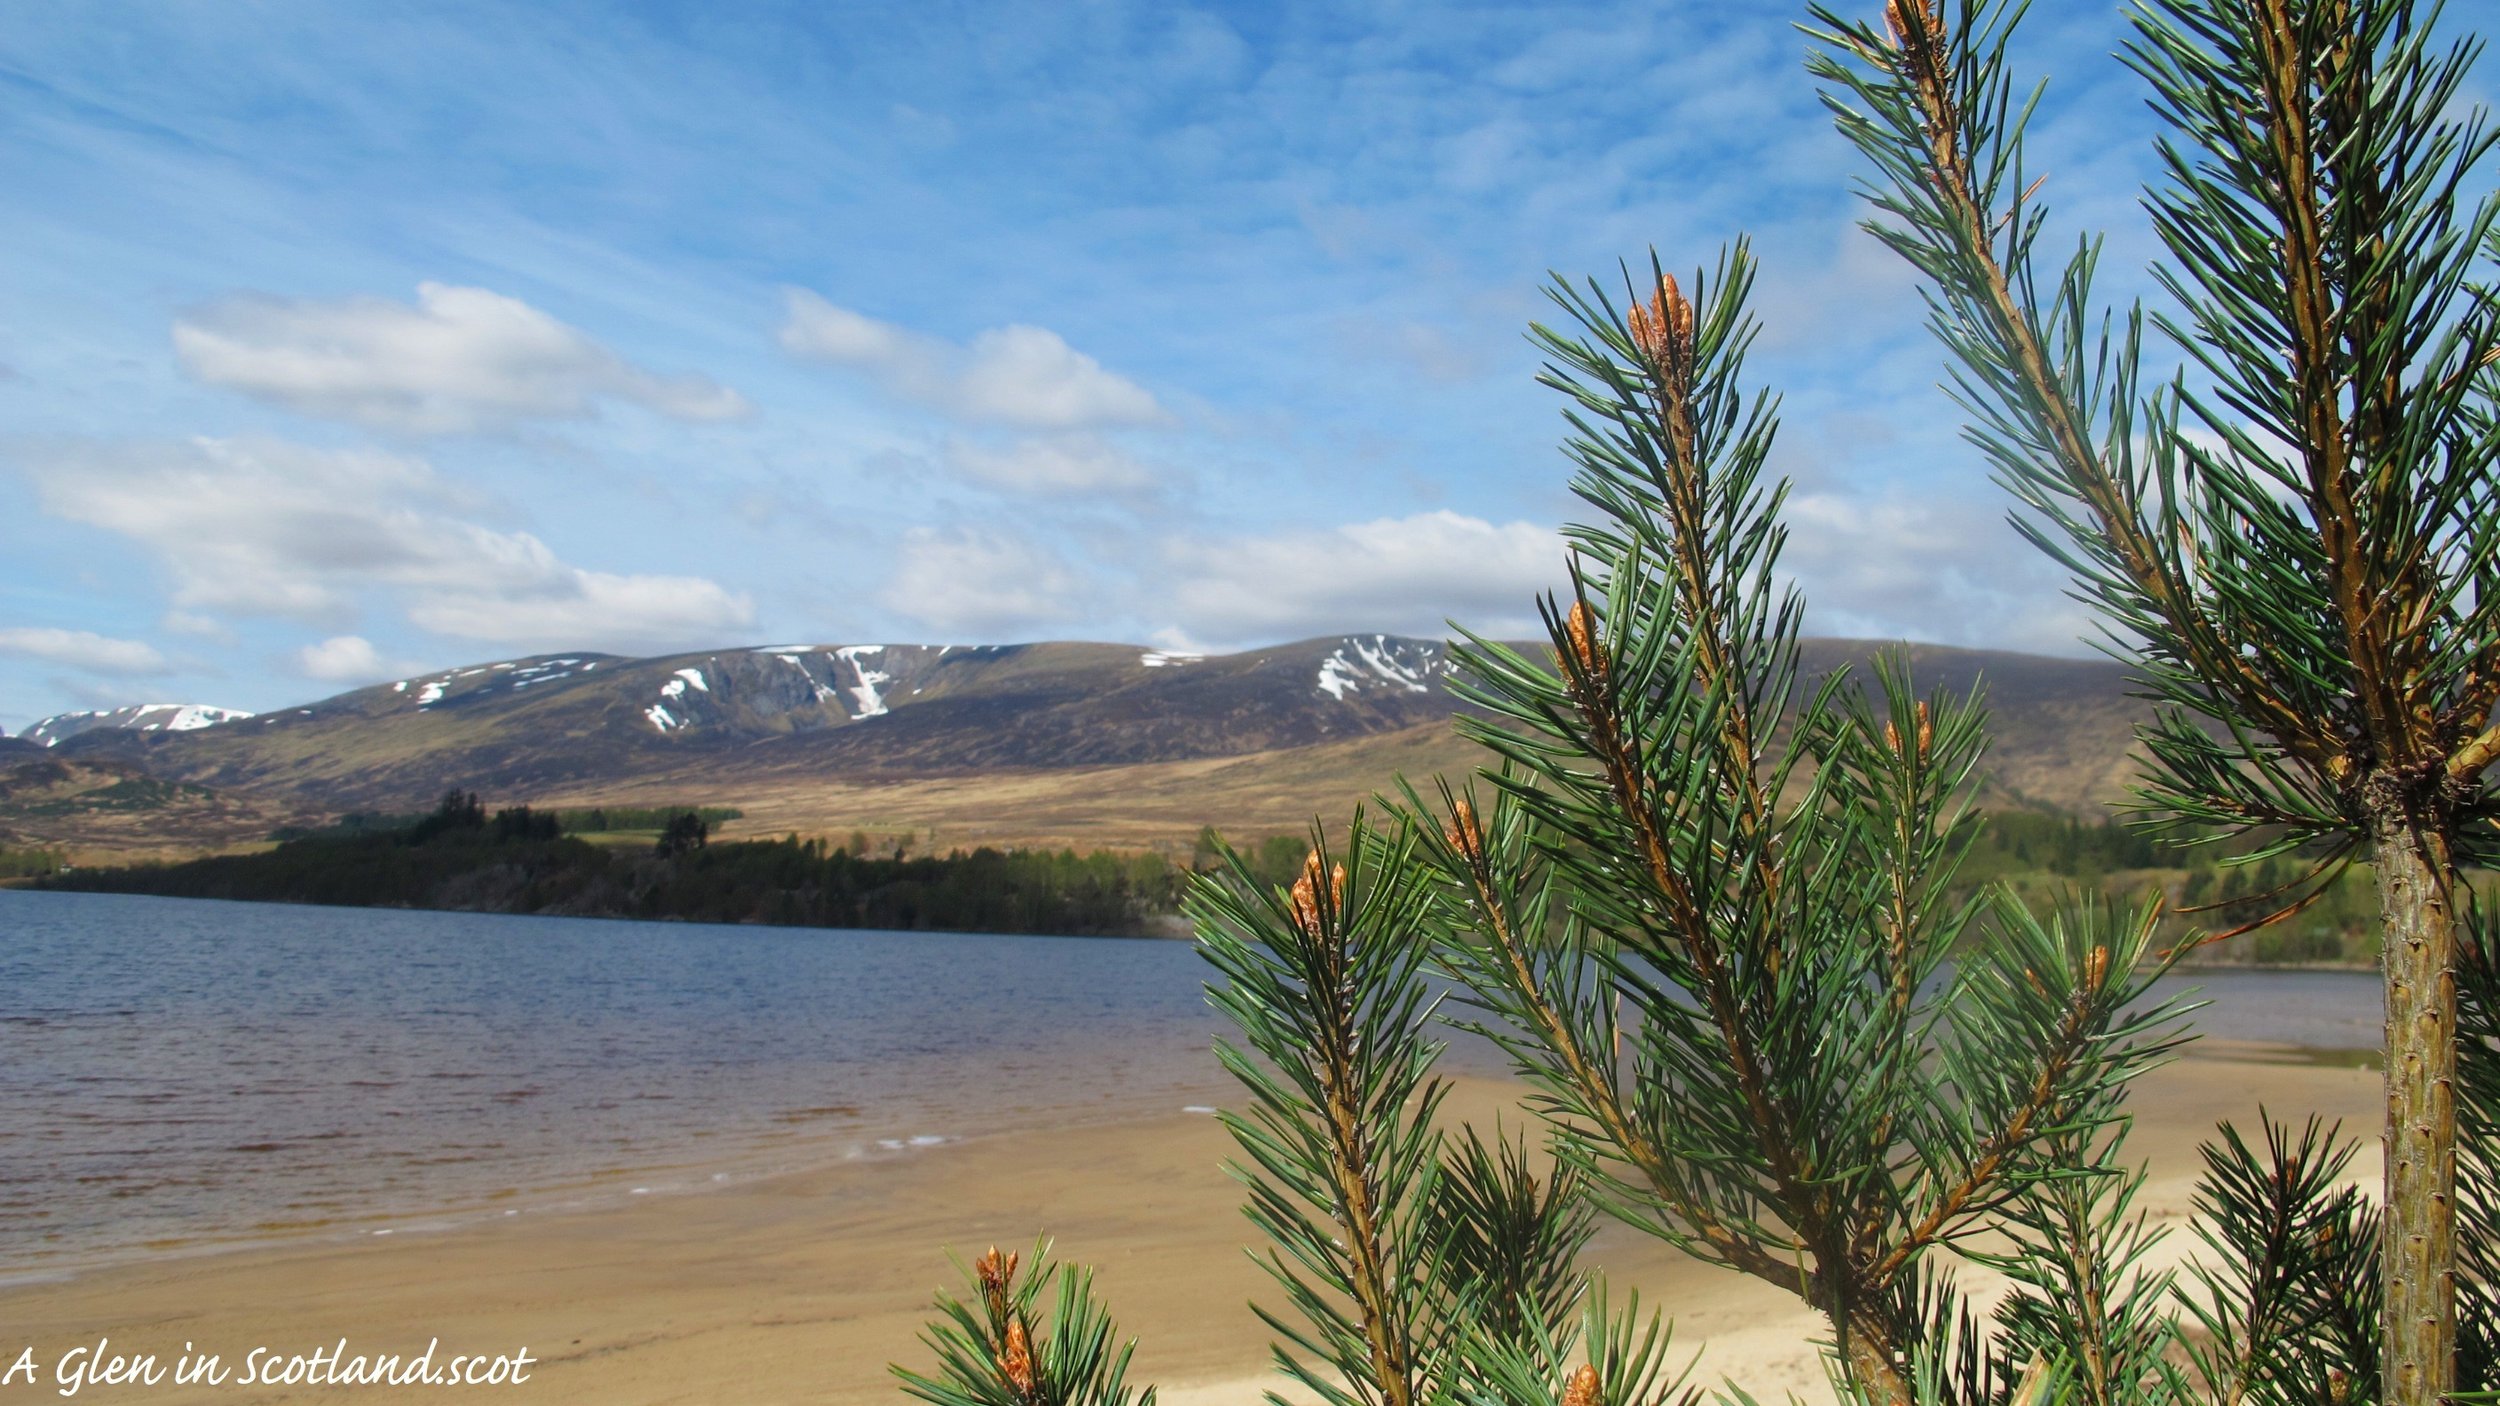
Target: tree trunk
1872,1368
2415,874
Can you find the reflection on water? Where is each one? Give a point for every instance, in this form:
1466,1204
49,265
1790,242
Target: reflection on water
185,1073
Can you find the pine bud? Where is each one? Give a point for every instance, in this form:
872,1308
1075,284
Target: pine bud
1016,1363
1926,30
1663,331
996,1272
1581,628
2096,968
1892,738
1463,834
1926,730
1306,915
1582,1390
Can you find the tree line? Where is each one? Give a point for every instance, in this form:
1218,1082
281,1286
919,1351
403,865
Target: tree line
520,860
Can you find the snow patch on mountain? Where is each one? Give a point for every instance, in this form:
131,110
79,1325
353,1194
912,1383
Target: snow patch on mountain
674,690
1381,662
1161,658
143,717
864,690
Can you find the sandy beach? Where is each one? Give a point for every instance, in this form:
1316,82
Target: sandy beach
804,1287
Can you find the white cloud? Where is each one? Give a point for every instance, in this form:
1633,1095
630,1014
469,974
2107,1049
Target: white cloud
267,527
1408,574
206,627
461,361
349,659
1014,375
979,584
1063,464
80,649
1948,570
578,609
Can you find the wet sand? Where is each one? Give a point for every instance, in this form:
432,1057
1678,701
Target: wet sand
804,1287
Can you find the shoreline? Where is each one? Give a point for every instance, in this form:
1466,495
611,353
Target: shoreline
598,1192
802,1286
39,884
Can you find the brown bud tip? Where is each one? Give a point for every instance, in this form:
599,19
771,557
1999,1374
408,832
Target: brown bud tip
1892,738
1676,311
1582,630
1336,885
2096,968
1306,894
1582,1389
1916,25
996,1272
1015,1362
1926,730
1463,834
1663,331
995,1269
1646,333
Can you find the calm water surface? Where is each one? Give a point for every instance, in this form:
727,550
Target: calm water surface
188,1074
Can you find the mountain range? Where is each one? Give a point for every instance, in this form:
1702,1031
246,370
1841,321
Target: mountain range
1079,743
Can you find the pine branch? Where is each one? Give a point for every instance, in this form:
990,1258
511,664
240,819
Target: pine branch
1325,983
1794,1100
2290,1304
998,1347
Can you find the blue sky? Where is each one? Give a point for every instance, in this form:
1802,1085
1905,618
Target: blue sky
341,341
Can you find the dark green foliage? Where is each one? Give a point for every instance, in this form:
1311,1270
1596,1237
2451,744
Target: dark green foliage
1626,1362
353,823
1809,1088
523,824
1510,1239
1003,1348
2290,1302
516,862
684,831
2213,557
458,811
600,820
1419,1266
2293,542
1326,984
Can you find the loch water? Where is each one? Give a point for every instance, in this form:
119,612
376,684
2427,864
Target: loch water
178,1075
